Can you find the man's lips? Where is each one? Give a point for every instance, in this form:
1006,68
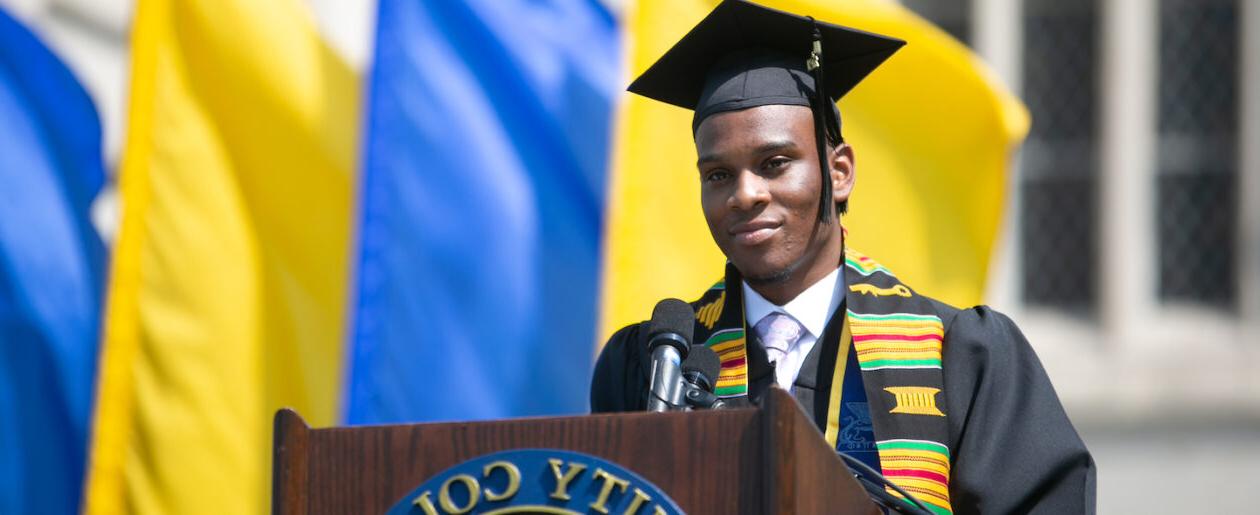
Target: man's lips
754,232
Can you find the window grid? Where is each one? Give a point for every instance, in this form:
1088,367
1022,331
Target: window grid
1058,217
1196,179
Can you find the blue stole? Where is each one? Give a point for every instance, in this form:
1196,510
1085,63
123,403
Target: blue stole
857,434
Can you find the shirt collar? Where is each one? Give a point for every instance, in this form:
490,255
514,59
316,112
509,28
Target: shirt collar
812,308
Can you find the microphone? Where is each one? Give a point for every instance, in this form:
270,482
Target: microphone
669,340
700,370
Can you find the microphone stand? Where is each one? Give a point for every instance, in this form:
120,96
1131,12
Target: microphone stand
875,484
700,398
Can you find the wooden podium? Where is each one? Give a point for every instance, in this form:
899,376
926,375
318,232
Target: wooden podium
765,460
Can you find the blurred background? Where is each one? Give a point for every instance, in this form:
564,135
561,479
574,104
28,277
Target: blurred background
1142,164
1126,240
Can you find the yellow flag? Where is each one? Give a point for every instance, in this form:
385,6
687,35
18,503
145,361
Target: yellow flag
228,282
932,130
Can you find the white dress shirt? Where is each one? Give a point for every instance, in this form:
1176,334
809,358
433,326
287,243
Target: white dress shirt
812,308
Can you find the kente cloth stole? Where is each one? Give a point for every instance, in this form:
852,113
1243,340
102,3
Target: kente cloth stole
897,337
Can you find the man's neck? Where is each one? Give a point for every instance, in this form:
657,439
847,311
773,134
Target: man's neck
812,308
781,293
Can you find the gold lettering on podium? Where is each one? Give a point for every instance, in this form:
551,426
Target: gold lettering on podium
513,484
448,500
425,503
563,479
609,482
474,494
640,498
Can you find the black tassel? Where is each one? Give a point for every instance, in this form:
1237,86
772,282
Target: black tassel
822,125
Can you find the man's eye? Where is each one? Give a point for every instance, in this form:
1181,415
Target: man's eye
776,163
716,176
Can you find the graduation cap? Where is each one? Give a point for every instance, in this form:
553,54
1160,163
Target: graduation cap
744,55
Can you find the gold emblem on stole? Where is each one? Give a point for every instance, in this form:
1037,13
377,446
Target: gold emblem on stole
915,400
899,290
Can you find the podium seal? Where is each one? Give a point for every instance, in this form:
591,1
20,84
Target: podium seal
536,481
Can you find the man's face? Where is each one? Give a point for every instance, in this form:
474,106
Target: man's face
759,188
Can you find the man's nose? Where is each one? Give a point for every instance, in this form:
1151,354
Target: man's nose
750,191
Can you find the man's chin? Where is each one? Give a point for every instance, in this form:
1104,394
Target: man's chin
767,277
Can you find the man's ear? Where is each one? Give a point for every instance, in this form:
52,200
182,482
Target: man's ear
843,170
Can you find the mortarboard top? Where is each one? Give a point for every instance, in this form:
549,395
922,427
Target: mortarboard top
744,55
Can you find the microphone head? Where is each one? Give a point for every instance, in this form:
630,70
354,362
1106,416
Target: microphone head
672,319
702,363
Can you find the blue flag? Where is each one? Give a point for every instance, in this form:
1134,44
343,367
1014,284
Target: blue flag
481,209
51,263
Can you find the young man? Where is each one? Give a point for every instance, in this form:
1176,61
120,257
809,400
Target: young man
951,404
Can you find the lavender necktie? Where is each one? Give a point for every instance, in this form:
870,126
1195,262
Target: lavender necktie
778,331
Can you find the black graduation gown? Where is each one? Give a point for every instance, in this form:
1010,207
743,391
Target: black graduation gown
1012,446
